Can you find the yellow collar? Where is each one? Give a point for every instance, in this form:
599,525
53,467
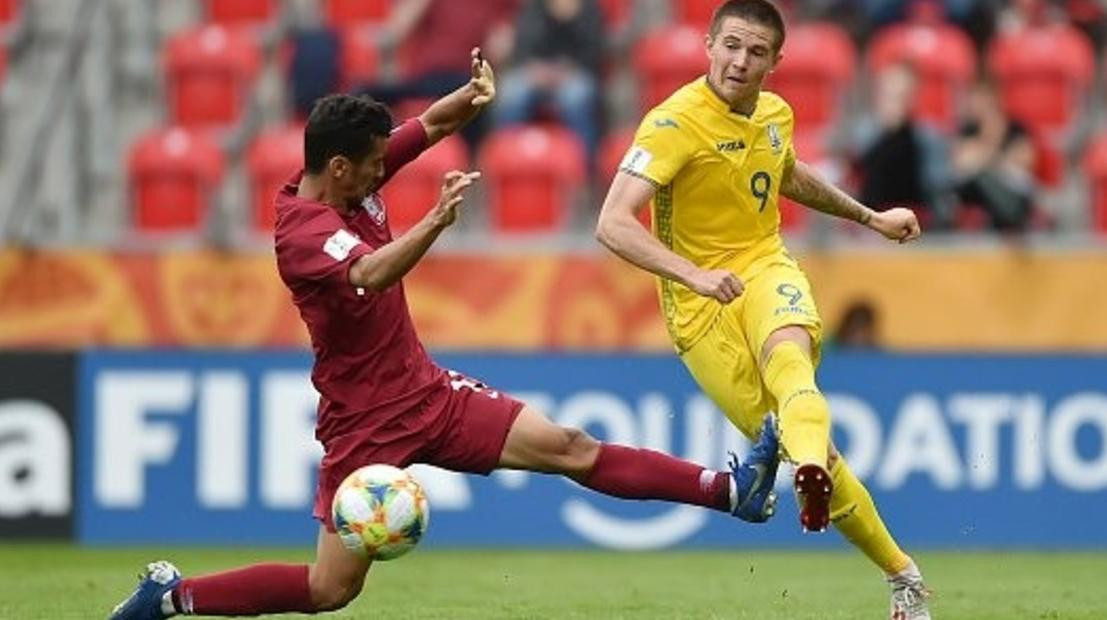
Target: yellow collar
715,102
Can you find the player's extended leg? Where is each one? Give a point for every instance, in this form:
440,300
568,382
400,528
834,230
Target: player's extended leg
332,581
789,374
854,514
537,444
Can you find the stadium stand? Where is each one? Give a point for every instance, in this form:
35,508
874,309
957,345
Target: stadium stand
9,11
417,186
356,12
817,69
1044,73
273,157
665,59
242,12
217,75
1095,167
695,13
532,172
616,13
941,54
173,174
358,57
612,149
210,70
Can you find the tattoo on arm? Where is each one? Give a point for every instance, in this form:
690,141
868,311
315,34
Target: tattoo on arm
806,187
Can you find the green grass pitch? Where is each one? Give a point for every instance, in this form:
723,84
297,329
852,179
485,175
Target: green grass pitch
62,581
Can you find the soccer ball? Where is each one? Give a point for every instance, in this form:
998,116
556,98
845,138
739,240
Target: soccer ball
380,512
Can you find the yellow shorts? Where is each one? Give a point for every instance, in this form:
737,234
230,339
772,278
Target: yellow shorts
725,360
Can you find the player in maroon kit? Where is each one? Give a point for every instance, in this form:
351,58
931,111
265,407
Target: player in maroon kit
383,400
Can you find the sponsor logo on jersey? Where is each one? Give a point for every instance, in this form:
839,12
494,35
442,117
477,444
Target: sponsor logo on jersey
665,122
730,146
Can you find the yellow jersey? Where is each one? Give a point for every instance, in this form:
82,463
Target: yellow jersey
717,174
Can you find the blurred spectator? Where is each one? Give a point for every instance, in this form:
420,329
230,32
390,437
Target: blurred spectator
902,161
993,161
1089,16
312,69
882,12
556,67
858,327
1019,14
431,40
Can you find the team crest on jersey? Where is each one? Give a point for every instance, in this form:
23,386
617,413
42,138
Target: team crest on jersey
774,138
374,207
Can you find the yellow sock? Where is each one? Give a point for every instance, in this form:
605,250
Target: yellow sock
802,409
852,511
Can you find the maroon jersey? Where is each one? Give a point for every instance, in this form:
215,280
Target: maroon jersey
369,364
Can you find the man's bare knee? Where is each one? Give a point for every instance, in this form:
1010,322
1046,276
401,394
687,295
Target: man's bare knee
578,451
334,595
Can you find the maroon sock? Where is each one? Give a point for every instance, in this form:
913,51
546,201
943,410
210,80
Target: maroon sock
258,589
634,473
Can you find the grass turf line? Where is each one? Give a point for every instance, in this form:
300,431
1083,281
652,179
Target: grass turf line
64,581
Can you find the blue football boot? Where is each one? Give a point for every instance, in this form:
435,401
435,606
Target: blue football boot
145,602
755,477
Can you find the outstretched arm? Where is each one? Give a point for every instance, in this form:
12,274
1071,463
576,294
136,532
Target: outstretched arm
805,186
620,231
452,111
385,266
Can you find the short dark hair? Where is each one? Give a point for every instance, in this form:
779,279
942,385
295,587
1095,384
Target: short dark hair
760,11
343,125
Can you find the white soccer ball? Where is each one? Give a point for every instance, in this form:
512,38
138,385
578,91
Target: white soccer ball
380,512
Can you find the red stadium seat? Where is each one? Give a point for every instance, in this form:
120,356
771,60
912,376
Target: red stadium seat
416,187
274,156
695,13
532,173
941,54
210,71
818,66
357,12
666,59
242,12
1095,167
1044,73
612,150
359,58
173,172
9,10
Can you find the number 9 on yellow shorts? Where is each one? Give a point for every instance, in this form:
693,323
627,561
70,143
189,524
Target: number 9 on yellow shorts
725,360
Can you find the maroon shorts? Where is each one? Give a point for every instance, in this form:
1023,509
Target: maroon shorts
461,427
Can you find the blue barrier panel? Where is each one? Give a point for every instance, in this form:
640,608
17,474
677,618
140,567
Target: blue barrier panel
958,450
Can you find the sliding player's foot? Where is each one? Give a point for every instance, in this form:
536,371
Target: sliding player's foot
754,479
148,602
909,595
813,488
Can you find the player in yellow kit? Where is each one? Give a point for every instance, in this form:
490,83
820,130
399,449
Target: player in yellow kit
712,160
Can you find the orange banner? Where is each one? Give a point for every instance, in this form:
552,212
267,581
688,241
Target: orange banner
996,301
